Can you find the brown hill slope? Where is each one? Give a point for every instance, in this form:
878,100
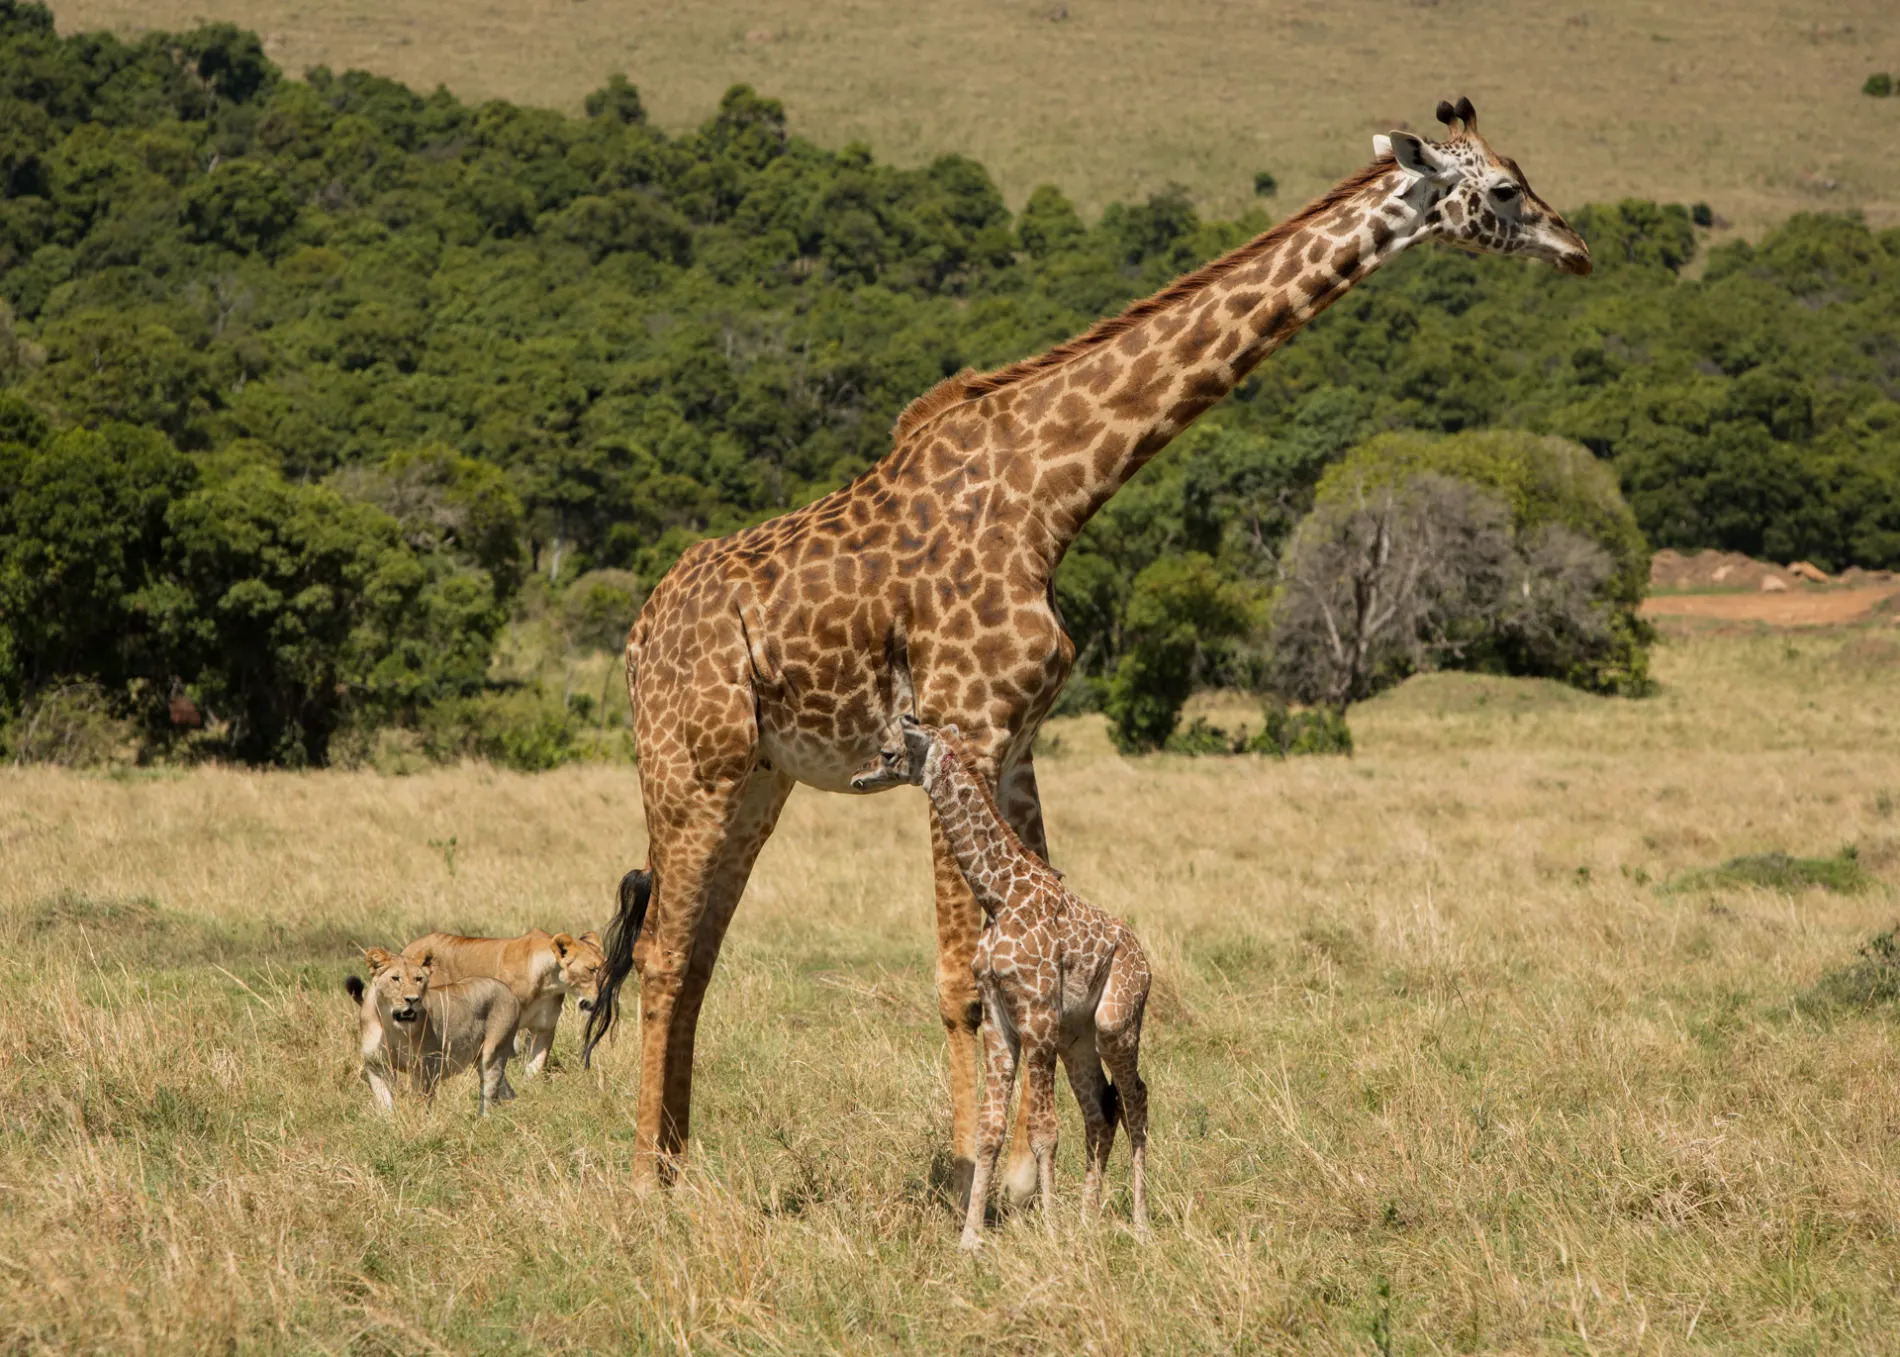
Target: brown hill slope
1753,106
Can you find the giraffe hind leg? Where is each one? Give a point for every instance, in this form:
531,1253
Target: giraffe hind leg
704,854
1101,1108
1122,1054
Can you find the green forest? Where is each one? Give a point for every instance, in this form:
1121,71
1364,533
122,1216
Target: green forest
309,387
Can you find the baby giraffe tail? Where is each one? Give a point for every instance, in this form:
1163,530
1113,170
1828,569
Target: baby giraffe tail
1111,1105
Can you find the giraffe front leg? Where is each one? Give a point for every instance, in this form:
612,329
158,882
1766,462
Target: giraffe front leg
1021,803
1039,1106
959,925
999,1073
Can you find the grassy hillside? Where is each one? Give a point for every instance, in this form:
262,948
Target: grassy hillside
1438,1060
1753,106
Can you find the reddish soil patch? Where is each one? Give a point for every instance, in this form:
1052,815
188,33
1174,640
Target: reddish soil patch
1799,607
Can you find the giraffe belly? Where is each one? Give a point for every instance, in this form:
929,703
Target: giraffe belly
822,747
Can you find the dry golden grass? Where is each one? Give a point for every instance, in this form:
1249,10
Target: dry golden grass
1753,105
1436,1065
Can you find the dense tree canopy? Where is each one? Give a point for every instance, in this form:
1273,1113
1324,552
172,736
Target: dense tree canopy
443,328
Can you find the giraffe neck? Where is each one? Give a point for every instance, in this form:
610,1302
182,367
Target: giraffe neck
987,850
1089,414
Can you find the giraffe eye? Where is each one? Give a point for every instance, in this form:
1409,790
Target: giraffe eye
1504,193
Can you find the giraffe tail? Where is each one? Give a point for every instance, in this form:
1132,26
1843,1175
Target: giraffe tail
1111,1105
636,890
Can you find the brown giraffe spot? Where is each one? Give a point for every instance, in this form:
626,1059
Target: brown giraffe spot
1240,303
1108,452
1197,341
1140,396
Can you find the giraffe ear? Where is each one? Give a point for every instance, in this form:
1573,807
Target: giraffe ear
1414,154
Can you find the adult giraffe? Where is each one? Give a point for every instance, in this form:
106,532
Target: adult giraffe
788,652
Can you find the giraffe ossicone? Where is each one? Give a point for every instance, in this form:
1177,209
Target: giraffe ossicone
790,652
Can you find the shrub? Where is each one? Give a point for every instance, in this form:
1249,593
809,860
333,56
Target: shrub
1702,215
523,729
72,725
1181,608
1288,733
1879,85
597,609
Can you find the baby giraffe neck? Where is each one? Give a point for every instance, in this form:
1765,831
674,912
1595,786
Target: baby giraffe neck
985,847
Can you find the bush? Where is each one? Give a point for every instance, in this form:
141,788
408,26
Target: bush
1181,608
71,725
1879,85
523,729
596,610
1288,733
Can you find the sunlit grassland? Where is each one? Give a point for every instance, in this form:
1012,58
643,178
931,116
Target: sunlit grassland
1753,106
1437,1061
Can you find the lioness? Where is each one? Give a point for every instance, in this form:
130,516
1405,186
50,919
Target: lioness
426,1030
539,968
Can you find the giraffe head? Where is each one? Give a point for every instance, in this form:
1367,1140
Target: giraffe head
1470,197
919,762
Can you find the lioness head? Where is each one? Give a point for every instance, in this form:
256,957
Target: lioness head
398,983
582,966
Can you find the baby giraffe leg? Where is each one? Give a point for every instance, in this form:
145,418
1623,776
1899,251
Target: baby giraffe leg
1122,1055
1039,1109
999,1074
1094,1095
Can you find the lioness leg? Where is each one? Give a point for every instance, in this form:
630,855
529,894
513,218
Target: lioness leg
376,1067
536,1036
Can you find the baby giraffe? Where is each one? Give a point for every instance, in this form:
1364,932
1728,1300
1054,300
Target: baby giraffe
1059,979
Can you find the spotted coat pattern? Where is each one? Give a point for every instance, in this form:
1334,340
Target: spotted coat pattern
787,652
1058,980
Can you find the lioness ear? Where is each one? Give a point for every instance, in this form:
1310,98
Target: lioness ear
591,938
377,958
563,944
426,960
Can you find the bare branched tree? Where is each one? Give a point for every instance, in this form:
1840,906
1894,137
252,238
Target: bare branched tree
1387,582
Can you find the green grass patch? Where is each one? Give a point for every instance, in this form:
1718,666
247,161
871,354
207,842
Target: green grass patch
1841,873
1872,981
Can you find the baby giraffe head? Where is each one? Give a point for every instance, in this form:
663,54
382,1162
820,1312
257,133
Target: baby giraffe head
1472,198
926,752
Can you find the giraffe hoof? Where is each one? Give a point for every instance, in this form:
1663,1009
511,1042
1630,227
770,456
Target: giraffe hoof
971,1241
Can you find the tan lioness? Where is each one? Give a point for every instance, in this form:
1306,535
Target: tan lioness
415,1027
539,968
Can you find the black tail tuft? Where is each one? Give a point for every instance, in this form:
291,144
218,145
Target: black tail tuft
353,986
636,890
1111,1105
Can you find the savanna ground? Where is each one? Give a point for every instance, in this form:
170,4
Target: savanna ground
1753,105
1439,1060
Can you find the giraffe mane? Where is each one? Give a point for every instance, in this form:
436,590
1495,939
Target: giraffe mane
970,384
